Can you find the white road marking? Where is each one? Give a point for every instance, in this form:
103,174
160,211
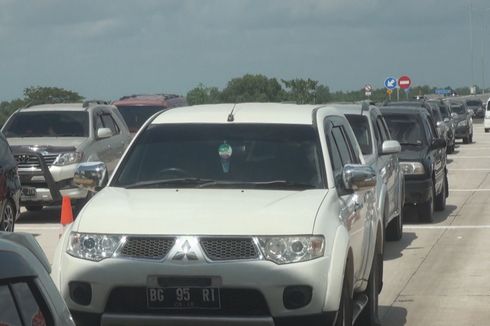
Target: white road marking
446,227
468,170
34,227
467,157
469,190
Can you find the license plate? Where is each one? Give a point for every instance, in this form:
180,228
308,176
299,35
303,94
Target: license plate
183,298
29,191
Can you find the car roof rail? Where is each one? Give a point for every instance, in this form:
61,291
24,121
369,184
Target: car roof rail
87,103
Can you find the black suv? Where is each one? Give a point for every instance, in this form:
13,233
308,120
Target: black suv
476,105
462,120
9,187
422,160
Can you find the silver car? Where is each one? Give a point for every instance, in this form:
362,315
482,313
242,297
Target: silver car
381,153
49,141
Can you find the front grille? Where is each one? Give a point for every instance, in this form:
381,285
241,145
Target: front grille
234,302
147,247
229,248
26,161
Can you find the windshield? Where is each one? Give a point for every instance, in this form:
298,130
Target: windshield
48,124
136,116
360,126
458,108
406,128
244,154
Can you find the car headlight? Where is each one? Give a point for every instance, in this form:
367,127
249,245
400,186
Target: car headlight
292,249
463,123
93,247
68,158
412,168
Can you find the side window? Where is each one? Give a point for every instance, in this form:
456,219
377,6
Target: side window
430,126
109,123
98,122
8,314
385,127
31,308
343,148
382,130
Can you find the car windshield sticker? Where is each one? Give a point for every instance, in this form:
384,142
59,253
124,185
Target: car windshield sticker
225,151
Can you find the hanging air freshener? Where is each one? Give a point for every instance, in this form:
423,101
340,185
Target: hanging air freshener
225,151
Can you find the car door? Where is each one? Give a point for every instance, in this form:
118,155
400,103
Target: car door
353,211
388,167
438,155
115,143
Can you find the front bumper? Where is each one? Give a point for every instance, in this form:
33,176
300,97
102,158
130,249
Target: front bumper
83,319
486,123
462,132
417,191
119,291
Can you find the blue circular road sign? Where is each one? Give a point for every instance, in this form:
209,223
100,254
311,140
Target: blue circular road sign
390,83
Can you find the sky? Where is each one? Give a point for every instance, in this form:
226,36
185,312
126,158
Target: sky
106,49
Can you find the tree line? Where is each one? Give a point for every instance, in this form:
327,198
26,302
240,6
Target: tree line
248,88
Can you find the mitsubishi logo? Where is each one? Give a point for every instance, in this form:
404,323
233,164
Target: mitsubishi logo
185,252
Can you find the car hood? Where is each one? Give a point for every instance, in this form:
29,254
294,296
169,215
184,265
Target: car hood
49,144
412,154
201,211
460,117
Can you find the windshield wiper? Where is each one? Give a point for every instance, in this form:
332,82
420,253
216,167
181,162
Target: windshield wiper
260,184
169,182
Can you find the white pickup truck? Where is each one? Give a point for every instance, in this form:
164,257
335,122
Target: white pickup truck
230,214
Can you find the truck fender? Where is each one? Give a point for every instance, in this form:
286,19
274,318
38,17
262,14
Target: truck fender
338,260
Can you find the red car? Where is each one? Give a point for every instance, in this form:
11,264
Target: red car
136,109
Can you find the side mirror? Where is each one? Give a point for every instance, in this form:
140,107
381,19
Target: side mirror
438,143
390,147
439,123
91,176
104,133
454,115
358,177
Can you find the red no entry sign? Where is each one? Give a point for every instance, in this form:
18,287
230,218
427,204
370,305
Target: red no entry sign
404,82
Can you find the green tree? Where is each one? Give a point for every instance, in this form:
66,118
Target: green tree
301,91
203,95
47,95
252,88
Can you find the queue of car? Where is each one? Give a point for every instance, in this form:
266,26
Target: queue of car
272,214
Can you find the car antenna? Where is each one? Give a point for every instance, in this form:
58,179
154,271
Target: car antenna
231,117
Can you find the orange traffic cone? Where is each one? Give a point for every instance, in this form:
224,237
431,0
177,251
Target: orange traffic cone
66,211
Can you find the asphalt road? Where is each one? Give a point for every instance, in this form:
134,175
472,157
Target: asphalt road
438,274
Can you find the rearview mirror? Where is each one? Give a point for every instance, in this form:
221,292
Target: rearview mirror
438,143
390,147
358,177
91,176
104,133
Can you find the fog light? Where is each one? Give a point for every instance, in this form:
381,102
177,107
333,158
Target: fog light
295,297
80,292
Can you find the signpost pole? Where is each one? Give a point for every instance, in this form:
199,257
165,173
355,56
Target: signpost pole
398,94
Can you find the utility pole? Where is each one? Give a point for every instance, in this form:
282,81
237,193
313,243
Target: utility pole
471,43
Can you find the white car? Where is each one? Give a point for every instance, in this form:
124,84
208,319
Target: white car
229,214
486,121
27,293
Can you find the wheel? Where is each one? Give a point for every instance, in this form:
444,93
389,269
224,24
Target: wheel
440,204
487,130
471,138
7,219
394,231
344,315
369,315
34,208
466,140
426,210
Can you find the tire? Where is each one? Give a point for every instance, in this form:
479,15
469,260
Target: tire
394,231
34,208
466,140
346,307
440,203
369,316
487,130
471,138
426,210
7,219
